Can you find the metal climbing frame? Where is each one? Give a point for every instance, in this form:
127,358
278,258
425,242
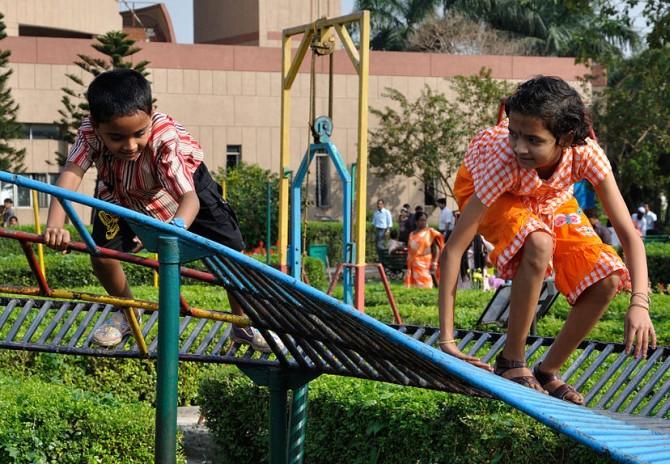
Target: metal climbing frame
322,335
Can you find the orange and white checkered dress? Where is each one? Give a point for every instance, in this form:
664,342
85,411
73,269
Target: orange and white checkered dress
519,203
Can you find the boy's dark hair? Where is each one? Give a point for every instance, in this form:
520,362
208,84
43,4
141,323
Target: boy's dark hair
116,93
442,201
8,200
556,103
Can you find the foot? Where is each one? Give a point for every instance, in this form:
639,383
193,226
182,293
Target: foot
517,372
557,388
111,333
252,337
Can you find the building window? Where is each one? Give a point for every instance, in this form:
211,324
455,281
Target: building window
429,190
23,197
233,155
36,131
322,180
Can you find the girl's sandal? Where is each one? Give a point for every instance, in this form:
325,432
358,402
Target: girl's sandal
507,366
557,388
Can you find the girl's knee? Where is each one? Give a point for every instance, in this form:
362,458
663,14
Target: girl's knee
609,285
537,249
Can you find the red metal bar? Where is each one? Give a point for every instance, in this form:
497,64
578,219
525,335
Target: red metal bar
501,109
35,267
334,280
359,287
389,294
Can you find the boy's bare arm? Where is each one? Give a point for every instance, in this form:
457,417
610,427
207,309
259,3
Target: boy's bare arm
55,235
189,205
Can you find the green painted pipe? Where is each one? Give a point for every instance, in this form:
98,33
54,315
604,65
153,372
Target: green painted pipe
165,448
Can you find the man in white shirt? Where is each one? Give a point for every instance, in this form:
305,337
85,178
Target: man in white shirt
383,222
446,224
651,218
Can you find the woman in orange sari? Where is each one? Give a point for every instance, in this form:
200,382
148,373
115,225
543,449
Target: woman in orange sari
424,247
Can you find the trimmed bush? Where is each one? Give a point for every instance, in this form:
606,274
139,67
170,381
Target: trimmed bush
42,423
357,421
658,261
330,233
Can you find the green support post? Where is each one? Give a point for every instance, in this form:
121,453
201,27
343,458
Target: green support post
296,444
165,448
278,429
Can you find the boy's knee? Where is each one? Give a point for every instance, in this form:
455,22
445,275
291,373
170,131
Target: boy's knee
537,249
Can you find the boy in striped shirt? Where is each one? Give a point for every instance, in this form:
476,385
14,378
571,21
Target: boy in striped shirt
149,163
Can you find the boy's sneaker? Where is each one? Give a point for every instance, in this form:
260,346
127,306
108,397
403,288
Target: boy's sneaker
112,331
252,337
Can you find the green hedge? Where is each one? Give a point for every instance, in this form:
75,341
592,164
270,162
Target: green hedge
330,233
74,270
357,421
658,261
42,423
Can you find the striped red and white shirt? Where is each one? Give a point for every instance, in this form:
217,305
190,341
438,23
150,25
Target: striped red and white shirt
152,183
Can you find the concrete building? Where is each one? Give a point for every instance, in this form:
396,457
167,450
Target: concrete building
225,93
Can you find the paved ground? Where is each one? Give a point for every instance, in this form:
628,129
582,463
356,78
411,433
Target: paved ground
199,446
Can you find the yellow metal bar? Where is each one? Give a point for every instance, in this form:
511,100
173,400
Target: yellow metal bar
131,317
284,164
362,160
38,231
349,46
155,272
224,188
325,22
291,74
120,302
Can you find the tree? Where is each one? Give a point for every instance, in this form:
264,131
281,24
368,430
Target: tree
246,187
11,159
457,35
426,139
115,46
393,21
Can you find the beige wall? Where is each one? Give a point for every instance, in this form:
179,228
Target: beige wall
229,95
226,21
255,22
276,15
83,16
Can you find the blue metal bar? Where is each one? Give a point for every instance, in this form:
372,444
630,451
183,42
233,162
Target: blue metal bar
76,221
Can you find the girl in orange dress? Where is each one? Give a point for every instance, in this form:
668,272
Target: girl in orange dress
515,188
424,247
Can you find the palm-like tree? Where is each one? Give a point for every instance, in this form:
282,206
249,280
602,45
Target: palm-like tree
392,21
583,28
559,28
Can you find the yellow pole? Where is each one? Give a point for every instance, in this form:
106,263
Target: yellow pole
284,164
38,231
155,272
224,188
362,159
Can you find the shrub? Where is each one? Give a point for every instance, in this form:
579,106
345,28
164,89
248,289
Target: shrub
658,261
44,423
330,233
361,422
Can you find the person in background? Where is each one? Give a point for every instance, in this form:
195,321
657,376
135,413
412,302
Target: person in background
13,221
602,231
7,211
424,247
446,223
411,221
651,219
640,221
395,245
382,221
403,232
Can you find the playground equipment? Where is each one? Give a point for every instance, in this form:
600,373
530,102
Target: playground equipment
630,397
320,38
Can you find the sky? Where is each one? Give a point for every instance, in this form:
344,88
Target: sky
181,12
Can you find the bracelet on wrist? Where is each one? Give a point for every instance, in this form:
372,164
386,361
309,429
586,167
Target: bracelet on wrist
446,342
643,295
637,305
